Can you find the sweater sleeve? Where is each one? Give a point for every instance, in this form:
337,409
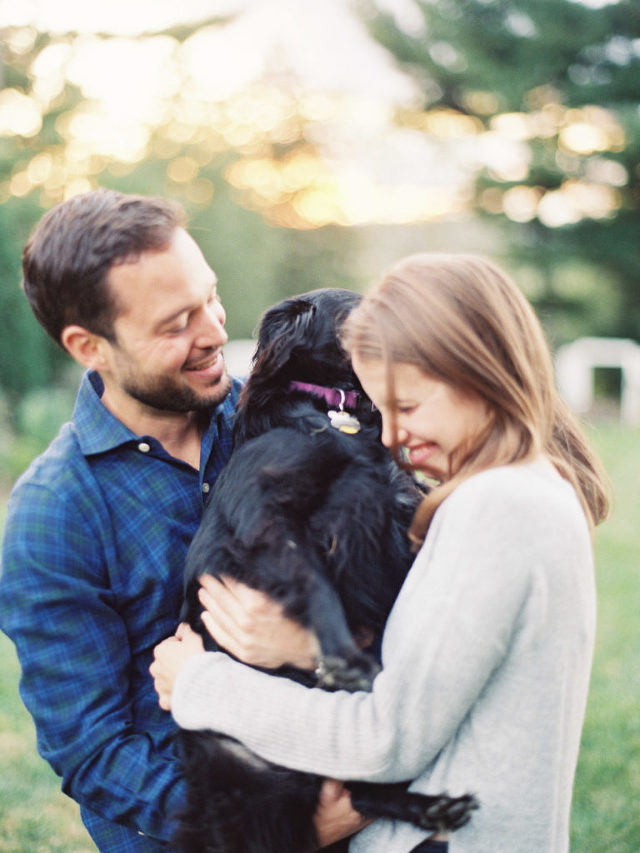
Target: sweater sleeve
449,630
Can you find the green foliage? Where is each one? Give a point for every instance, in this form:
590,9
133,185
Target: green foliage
33,422
27,357
547,60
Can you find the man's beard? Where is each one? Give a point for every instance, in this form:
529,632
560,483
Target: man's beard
163,394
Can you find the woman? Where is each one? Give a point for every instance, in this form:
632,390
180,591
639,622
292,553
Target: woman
487,652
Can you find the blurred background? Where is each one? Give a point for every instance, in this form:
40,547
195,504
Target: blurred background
312,142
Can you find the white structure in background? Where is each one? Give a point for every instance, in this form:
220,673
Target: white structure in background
238,355
575,364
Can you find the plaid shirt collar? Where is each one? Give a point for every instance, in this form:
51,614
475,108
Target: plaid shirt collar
99,431
96,428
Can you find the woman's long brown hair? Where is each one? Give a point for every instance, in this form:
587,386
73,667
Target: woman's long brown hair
461,319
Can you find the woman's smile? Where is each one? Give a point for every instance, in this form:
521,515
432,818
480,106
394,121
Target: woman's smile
418,454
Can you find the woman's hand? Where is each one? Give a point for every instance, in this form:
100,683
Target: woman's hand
169,657
252,627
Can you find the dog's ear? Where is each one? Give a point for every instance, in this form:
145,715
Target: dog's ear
291,318
283,329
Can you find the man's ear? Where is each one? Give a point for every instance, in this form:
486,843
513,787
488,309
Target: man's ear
87,348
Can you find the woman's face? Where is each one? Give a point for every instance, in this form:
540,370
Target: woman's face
433,419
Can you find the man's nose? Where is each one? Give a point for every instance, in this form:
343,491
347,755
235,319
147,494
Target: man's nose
211,331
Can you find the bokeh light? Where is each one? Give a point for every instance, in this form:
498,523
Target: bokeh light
301,149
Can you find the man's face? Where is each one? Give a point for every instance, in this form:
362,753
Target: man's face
169,331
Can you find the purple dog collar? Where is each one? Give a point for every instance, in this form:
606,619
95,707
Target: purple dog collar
332,396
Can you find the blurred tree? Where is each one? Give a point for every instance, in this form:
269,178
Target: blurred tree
551,91
28,359
26,356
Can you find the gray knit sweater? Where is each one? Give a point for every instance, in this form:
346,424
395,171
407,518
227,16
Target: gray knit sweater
486,661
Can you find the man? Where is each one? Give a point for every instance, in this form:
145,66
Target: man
97,529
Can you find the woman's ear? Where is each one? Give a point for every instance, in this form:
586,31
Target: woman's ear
87,348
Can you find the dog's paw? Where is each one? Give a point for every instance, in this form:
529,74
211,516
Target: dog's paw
441,812
337,673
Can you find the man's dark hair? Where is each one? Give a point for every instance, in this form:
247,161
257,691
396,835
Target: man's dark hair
67,259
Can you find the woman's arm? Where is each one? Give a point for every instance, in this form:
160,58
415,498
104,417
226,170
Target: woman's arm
244,621
335,817
447,633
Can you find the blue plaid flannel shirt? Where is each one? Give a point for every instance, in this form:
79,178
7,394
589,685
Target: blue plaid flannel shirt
95,540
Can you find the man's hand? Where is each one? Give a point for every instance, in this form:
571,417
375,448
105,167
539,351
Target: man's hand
335,817
252,627
169,656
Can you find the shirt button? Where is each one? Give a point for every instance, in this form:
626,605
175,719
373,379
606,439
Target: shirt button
206,488
144,447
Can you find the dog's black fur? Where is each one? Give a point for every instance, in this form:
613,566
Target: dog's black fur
317,518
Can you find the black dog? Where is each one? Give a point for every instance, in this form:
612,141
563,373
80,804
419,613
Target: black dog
311,510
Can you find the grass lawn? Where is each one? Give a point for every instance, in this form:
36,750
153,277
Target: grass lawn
606,816
36,818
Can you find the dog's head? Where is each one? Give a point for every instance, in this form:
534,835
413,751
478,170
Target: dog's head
298,340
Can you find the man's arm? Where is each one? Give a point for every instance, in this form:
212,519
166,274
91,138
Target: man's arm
79,678
335,817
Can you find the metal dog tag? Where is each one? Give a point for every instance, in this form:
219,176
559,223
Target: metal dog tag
344,421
